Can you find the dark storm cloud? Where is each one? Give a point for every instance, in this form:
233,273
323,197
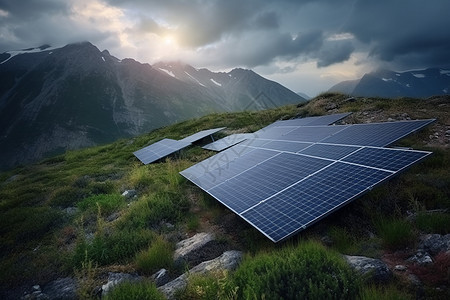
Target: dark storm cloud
334,52
399,31
251,33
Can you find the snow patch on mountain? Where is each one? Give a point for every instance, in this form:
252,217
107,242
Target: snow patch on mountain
387,79
195,79
418,75
28,51
168,72
215,82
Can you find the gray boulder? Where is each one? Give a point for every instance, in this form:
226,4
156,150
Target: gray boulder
61,288
434,243
161,277
374,270
201,247
116,278
229,260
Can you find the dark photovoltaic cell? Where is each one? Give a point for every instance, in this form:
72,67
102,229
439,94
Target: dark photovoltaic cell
264,180
288,176
227,141
376,134
311,199
312,134
384,158
329,151
201,134
288,146
159,150
225,170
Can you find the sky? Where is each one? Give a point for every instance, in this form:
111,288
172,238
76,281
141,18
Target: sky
306,45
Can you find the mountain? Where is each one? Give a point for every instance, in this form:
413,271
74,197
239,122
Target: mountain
303,95
55,99
390,84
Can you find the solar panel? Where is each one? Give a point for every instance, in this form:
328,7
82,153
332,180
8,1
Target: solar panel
311,121
329,151
227,141
384,158
201,134
159,150
312,133
288,177
376,134
295,208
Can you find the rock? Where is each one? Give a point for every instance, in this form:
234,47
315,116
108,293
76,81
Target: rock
200,247
421,258
434,243
229,260
161,277
70,210
61,288
116,278
400,268
112,217
414,280
373,269
128,194
331,106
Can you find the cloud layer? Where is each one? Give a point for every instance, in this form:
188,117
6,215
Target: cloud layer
272,36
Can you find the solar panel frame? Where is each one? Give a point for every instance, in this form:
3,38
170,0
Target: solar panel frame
376,134
227,141
201,134
159,150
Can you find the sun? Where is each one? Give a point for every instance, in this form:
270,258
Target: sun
169,40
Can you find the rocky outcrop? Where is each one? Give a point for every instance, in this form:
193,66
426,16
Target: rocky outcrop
434,243
201,247
229,260
374,270
116,278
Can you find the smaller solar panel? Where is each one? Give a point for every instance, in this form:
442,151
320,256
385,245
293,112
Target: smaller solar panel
159,150
227,141
201,134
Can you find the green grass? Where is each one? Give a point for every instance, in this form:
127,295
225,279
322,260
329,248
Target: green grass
39,241
306,271
396,233
433,222
135,291
158,255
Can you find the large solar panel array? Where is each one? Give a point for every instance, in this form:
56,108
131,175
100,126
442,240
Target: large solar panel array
291,176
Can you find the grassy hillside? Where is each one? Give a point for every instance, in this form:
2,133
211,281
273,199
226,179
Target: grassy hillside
65,216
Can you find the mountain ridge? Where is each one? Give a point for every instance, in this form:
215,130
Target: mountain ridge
56,99
421,83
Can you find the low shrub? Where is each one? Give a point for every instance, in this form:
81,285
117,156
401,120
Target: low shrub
158,255
395,233
433,223
211,286
386,293
118,247
107,203
308,271
135,290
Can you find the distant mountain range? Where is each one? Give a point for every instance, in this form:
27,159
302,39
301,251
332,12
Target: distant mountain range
54,99
390,84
